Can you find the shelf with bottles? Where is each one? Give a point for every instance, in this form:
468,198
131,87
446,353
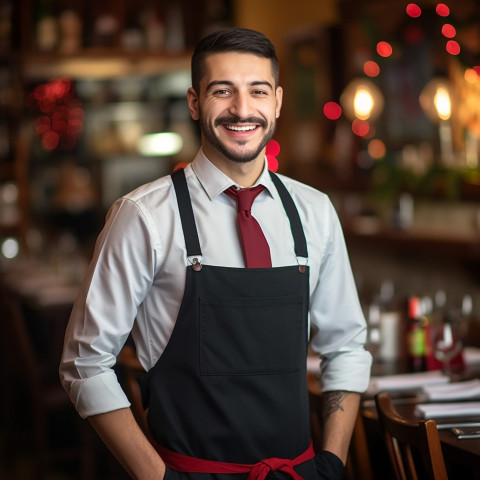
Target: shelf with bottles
101,63
144,27
450,245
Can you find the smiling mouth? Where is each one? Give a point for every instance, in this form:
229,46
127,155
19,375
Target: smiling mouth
241,128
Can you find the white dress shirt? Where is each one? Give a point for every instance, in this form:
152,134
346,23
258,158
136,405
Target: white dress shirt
136,280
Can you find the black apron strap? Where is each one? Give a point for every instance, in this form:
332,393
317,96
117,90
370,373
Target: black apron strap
186,213
190,229
292,213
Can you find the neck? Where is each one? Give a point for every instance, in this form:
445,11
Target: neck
243,174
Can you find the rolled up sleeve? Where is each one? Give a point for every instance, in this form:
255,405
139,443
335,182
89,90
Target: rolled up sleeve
338,324
104,313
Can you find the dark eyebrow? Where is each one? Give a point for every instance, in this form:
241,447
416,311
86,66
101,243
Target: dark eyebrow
229,83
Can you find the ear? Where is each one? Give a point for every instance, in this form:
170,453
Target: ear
278,98
192,102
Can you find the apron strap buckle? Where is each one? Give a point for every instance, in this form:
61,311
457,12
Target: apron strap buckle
196,265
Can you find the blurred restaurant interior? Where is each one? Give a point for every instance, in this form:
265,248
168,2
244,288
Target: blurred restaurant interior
381,111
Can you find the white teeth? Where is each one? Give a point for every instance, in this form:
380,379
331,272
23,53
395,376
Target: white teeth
240,129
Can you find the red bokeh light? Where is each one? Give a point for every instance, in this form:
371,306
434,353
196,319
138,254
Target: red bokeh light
42,124
60,119
442,10
453,47
413,34
272,163
50,140
476,68
273,148
180,165
413,10
332,110
371,68
448,31
384,49
360,128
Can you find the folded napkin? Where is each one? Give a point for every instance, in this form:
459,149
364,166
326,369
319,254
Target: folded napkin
407,381
454,391
441,410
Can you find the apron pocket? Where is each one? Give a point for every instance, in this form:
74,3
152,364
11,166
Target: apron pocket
244,336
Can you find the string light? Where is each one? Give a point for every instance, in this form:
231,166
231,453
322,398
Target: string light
413,10
384,49
442,10
453,47
448,31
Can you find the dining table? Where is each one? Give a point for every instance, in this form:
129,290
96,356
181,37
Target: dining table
413,396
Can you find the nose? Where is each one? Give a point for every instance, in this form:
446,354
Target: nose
240,106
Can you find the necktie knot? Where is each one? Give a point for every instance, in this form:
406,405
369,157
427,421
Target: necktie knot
244,196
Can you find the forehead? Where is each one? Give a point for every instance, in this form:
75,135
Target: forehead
237,67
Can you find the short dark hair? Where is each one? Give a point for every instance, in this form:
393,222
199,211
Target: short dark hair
240,40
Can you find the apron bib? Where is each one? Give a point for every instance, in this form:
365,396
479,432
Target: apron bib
231,383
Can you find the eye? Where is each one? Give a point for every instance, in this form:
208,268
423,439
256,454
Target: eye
221,92
260,93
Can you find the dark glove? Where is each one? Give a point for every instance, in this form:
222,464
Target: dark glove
329,466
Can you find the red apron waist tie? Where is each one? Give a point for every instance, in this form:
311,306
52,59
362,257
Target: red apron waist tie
256,471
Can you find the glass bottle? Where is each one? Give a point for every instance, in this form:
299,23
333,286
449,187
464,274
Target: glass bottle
416,337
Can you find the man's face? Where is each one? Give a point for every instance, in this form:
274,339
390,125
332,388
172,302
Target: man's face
237,106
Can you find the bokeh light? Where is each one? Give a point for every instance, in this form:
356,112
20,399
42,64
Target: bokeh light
384,49
453,47
377,149
442,10
10,247
448,31
50,140
413,10
60,114
332,110
361,128
414,35
371,68
470,75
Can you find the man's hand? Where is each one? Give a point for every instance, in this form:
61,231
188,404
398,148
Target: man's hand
329,466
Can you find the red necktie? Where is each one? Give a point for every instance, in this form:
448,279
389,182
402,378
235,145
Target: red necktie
255,247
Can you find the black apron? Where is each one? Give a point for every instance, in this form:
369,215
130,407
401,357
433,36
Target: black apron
231,383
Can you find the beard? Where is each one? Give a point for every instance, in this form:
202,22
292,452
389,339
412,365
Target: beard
230,153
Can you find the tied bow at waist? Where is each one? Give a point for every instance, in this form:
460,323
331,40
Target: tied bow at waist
256,471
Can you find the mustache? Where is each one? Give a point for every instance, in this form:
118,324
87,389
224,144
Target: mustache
236,121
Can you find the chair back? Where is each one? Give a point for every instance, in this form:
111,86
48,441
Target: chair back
413,446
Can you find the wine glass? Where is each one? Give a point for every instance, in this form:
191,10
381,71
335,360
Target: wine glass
447,342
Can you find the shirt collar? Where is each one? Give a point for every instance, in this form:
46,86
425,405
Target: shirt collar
214,181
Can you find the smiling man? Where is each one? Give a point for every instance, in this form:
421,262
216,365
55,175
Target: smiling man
237,104
220,295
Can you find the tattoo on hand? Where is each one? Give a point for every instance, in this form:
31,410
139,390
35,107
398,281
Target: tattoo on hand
331,402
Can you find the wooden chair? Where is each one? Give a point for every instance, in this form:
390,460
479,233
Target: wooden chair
30,394
413,446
